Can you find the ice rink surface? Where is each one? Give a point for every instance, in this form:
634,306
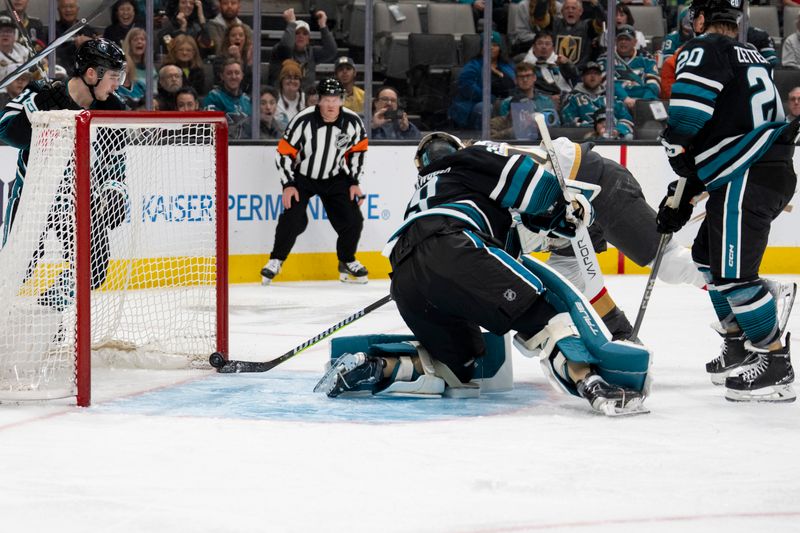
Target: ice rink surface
194,451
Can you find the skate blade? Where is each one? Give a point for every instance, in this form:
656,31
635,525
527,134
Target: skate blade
632,408
777,394
265,281
347,278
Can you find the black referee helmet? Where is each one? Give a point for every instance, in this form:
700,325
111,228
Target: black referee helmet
330,87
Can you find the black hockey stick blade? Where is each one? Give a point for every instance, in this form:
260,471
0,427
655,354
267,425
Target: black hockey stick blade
236,367
69,34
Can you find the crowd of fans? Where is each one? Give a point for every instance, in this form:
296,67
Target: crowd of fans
547,56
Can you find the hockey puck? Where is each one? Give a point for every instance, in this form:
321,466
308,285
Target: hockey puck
216,360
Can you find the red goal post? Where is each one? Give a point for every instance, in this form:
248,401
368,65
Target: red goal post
118,253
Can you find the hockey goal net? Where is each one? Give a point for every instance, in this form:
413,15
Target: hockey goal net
118,252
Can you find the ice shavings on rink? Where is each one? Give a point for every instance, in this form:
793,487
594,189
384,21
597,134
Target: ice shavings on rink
287,396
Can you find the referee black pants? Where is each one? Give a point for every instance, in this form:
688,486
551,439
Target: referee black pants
343,213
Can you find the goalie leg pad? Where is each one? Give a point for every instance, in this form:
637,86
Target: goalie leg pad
620,363
403,382
554,345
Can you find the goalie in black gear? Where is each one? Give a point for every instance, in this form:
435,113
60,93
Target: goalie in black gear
455,270
727,134
99,71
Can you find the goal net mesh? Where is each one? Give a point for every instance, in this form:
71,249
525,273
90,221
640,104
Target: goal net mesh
152,259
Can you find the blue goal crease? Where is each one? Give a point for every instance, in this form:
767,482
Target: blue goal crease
287,396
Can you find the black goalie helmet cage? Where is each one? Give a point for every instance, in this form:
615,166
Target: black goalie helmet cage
435,146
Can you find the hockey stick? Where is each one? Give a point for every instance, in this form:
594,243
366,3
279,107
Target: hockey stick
582,243
234,367
662,244
78,26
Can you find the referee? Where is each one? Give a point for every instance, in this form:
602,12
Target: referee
322,153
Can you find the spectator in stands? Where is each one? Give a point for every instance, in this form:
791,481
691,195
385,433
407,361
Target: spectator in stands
763,43
228,97
466,109
345,72
793,101
228,15
588,98
270,128
790,54
33,26
291,98
678,38
14,89
135,48
236,44
502,126
13,53
573,32
187,16
295,44
623,17
123,18
499,12
186,99
668,65
389,120
135,87
67,16
312,96
555,74
636,76
170,79
183,52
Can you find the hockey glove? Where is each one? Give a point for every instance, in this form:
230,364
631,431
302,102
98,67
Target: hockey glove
679,159
670,220
53,95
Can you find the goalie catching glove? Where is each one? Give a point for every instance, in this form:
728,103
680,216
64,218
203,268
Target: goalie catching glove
564,221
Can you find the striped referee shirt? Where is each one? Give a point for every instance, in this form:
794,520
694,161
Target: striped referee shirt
315,150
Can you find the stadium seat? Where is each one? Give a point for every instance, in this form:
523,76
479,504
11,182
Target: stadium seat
789,18
393,24
471,45
646,126
455,19
432,50
786,79
649,20
766,18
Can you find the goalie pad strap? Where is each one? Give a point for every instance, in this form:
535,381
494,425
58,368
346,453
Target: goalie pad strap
559,327
404,371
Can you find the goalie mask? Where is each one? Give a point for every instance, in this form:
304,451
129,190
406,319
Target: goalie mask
435,146
727,11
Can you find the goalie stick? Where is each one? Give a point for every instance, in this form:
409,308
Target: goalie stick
674,201
582,243
234,367
69,34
